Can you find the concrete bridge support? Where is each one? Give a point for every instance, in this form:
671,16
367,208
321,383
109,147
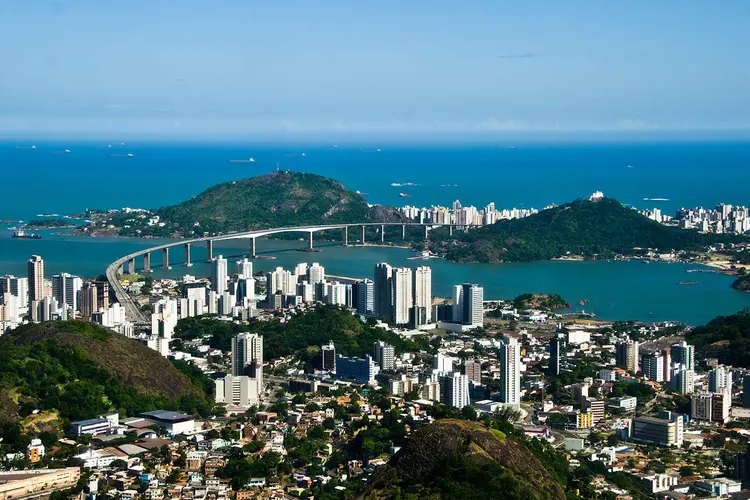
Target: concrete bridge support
450,230
382,234
426,228
187,255
310,241
210,250
165,259
363,235
147,262
252,248
346,236
131,266
403,231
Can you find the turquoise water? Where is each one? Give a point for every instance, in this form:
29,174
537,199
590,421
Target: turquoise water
45,180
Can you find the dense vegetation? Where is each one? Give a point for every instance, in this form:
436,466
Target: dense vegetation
590,229
273,200
47,223
726,338
527,301
742,283
81,370
461,459
301,334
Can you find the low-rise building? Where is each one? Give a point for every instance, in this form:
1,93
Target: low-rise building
37,482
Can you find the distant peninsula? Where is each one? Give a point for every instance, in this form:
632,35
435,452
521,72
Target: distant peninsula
581,229
48,224
283,198
600,229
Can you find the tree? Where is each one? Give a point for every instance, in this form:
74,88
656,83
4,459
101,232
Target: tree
469,412
686,470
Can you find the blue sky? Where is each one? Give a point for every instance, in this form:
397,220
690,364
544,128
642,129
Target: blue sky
84,67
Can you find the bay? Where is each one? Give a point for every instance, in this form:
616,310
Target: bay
48,180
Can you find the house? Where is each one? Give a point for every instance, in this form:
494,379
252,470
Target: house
174,422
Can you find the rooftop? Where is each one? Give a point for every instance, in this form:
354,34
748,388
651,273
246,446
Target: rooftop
166,416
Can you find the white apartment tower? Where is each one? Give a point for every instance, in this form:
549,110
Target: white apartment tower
384,355
247,355
423,293
36,278
219,277
244,268
402,295
454,390
510,372
316,274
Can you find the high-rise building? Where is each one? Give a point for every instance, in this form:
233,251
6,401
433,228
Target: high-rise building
468,304
402,295
684,354
473,371
280,280
443,364
557,346
626,355
89,299
36,278
365,293
244,268
711,407
328,357
241,391
652,365
362,371
384,355
720,380
595,407
247,356
66,289
383,292
683,380
219,276
454,390
510,371
316,274
17,287
659,431
423,294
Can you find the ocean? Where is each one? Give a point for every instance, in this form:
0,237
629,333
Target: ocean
48,180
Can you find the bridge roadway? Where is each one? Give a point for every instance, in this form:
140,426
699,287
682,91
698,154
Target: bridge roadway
134,313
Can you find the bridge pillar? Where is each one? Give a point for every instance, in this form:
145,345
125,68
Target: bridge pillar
131,266
382,233
363,235
165,259
147,262
252,248
403,231
187,255
426,228
450,230
346,236
210,250
310,241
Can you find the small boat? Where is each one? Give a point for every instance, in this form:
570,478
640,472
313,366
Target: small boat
130,155
303,154
33,147
67,151
404,195
630,166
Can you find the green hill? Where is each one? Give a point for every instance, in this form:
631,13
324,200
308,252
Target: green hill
80,370
461,459
581,227
724,337
277,199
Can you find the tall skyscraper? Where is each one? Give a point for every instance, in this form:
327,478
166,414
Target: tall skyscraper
626,355
89,299
423,294
510,371
652,365
557,346
36,278
383,294
402,295
454,390
247,356
384,355
473,371
316,274
244,268
17,287
66,288
280,280
720,380
684,354
328,357
219,277
365,293
468,304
